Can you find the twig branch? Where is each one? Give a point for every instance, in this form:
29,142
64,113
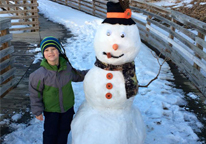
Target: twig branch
157,57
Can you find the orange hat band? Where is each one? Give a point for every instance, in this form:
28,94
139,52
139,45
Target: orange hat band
126,14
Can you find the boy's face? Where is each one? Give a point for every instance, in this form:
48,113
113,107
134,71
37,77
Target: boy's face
51,54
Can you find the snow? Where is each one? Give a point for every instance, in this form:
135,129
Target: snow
202,3
16,117
166,121
191,95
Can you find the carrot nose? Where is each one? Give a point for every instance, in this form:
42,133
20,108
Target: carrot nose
115,46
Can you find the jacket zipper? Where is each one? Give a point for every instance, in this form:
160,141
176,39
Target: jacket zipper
60,93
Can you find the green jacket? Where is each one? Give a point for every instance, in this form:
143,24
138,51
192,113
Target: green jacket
51,89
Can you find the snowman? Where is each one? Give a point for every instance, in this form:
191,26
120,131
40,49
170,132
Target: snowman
108,116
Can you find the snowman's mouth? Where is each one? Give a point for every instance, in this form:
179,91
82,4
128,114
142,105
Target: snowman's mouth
109,55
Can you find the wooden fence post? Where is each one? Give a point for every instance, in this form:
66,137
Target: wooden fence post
200,35
8,7
93,7
6,70
79,4
148,23
170,35
25,8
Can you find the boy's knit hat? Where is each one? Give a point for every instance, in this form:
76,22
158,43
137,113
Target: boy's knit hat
50,42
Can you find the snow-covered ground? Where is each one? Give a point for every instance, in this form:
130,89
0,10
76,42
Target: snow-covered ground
173,3
166,121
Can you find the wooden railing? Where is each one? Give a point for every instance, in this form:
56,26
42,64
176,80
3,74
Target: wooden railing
24,14
175,35
6,70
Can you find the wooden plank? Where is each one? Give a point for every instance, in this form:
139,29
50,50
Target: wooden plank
6,63
100,7
176,26
26,28
5,23
103,12
23,17
6,51
85,2
180,48
200,42
87,10
185,66
189,21
98,2
100,15
18,11
6,75
181,38
142,27
142,35
73,5
5,38
4,20
161,42
86,5
19,5
140,23
25,23
200,35
11,0
192,73
7,86
61,2
74,1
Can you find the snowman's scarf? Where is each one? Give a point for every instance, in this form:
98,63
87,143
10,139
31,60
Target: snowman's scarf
128,71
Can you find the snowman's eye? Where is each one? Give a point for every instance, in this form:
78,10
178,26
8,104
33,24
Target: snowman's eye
108,33
122,35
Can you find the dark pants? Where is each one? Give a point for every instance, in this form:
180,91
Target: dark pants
57,127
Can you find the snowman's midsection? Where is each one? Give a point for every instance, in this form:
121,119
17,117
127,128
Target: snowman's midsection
105,88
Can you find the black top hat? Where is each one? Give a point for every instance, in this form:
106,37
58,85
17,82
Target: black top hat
117,15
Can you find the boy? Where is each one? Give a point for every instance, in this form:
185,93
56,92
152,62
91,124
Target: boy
51,91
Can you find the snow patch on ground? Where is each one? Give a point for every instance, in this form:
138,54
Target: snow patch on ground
16,117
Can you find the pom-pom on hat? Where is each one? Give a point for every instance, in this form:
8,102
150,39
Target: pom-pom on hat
50,42
116,14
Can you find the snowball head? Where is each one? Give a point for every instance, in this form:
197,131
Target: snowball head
117,44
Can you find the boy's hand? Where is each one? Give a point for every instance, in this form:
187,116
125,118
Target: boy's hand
40,117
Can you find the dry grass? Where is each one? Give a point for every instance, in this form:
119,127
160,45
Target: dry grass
197,11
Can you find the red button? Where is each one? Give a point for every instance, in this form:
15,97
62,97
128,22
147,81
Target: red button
108,95
109,86
109,76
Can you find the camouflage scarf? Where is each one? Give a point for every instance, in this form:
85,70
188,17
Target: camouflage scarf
128,71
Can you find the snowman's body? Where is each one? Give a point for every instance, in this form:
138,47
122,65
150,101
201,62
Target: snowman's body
103,118
97,80
107,121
